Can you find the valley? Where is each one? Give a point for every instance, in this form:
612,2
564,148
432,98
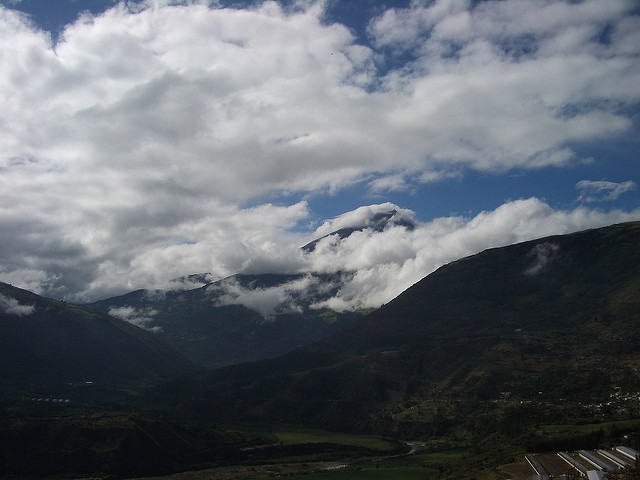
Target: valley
319,239
490,358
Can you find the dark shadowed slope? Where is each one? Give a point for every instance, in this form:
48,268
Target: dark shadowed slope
212,328
562,282
556,318
46,346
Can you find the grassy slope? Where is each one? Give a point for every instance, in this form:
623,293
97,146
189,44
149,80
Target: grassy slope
60,344
66,442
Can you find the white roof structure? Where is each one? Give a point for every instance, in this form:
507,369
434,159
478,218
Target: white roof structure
595,475
628,452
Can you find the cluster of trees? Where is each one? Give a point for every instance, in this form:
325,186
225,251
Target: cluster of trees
632,473
113,443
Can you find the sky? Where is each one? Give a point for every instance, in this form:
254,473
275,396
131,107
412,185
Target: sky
143,141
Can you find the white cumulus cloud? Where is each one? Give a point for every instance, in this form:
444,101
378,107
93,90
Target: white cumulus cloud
387,263
140,144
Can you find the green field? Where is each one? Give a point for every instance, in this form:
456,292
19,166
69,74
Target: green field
296,436
439,457
589,427
404,473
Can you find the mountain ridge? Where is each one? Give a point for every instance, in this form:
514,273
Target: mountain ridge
378,222
246,317
52,346
212,327
553,318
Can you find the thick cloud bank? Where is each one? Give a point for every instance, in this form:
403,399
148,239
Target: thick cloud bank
130,147
389,262
268,301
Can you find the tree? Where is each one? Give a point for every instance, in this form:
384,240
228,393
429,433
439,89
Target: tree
629,473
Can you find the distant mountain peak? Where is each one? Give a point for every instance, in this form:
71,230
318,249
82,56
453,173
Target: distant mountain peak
376,217
382,220
558,315
189,282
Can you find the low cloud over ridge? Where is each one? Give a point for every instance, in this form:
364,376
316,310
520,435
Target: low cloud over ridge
140,317
387,263
13,307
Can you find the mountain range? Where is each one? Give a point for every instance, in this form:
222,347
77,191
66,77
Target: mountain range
377,222
247,317
543,324
53,348
56,349
495,342
237,319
